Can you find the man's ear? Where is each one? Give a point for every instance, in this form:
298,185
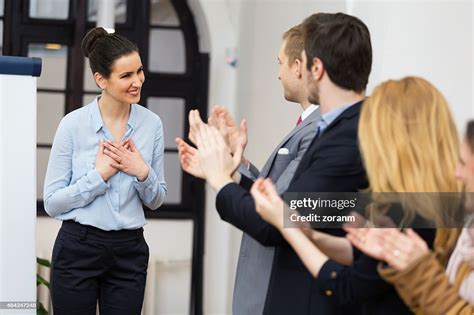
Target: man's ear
298,68
100,80
317,69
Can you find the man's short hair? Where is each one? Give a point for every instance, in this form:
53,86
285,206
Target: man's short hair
470,135
342,43
294,43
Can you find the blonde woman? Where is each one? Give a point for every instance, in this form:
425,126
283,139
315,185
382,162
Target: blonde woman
419,278
409,144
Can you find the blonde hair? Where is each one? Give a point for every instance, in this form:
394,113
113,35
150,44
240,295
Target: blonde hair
409,142
294,43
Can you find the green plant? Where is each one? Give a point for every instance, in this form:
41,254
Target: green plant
40,310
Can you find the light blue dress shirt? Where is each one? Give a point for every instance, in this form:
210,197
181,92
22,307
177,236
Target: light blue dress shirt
73,188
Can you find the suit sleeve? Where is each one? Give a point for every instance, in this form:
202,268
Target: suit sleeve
236,206
355,284
360,282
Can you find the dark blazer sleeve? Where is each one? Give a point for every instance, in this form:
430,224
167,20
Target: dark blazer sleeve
246,182
236,206
360,282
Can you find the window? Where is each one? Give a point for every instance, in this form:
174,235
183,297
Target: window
50,101
49,9
171,110
167,51
54,65
163,14
120,11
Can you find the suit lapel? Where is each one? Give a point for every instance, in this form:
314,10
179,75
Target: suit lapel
314,116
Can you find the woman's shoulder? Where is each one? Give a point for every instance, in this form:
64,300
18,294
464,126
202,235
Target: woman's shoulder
81,111
76,116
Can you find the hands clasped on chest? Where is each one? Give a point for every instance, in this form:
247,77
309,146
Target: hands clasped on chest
124,156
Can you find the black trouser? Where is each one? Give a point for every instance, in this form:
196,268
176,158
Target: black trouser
90,265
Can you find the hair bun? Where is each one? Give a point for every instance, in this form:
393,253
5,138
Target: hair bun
90,40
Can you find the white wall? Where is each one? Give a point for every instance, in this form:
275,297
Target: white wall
221,240
431,39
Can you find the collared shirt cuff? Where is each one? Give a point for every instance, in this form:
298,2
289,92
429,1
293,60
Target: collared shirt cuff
149,180
96,181
244,171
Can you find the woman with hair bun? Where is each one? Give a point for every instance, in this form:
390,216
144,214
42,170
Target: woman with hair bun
105,162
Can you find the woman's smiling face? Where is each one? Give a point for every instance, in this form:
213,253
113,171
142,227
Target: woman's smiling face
126,79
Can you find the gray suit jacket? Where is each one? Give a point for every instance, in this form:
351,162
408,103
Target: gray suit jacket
255,260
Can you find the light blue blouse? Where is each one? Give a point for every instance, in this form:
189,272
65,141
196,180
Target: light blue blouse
73,188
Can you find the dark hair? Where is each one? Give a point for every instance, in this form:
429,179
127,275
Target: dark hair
103,49
294,43
470,134
342,42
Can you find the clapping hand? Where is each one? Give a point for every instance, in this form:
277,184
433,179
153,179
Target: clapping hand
268,203
215,159
391,245
234,135
189,159
195,123
367,239
212,160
